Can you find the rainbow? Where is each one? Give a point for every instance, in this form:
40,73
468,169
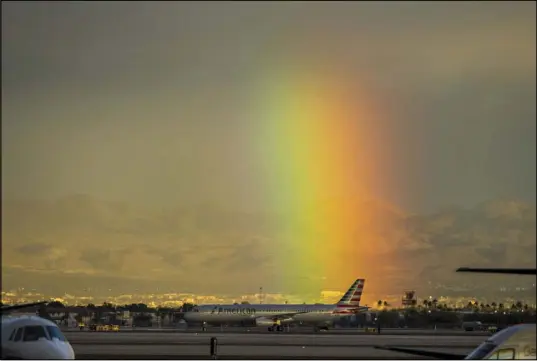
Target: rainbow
316,145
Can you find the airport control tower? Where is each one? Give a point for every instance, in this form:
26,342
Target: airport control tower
409,298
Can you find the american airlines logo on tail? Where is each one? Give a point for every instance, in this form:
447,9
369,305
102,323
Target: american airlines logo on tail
351,299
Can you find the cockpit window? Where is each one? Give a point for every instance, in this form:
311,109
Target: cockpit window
12,334
18,335
55,332
483,350
34,333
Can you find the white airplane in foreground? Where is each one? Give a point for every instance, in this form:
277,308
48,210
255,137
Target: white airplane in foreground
276,315
26,337
512,343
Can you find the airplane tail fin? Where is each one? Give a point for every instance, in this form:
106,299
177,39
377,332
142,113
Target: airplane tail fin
351,299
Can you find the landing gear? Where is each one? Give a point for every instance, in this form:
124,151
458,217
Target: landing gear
276,328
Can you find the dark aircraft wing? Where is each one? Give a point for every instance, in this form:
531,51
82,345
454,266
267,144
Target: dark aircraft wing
512,271
6,309
431,354
282,316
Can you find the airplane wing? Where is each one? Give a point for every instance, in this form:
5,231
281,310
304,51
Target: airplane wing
6,309
359,309
431,354
281,316
512,271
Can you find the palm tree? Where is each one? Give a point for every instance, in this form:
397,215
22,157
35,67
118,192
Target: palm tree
56,304
385,303
379,303
187,307
107,305
493,304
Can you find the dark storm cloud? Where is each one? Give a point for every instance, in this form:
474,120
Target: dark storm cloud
151,103
104,259
250,255
146,100
426,245
34,248
169,255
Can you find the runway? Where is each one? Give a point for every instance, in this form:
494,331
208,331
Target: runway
166,345
302,331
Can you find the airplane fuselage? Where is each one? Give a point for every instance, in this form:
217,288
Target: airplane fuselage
300,313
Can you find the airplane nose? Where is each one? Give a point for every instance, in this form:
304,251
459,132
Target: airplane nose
70,353
65,352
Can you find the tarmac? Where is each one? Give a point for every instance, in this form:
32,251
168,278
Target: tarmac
192,345
300,331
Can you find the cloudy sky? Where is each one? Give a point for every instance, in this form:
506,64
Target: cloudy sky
158,104
141,101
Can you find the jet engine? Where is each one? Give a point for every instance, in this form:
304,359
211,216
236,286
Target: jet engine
268,322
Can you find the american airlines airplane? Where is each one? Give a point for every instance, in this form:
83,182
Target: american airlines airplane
32,337
273,316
